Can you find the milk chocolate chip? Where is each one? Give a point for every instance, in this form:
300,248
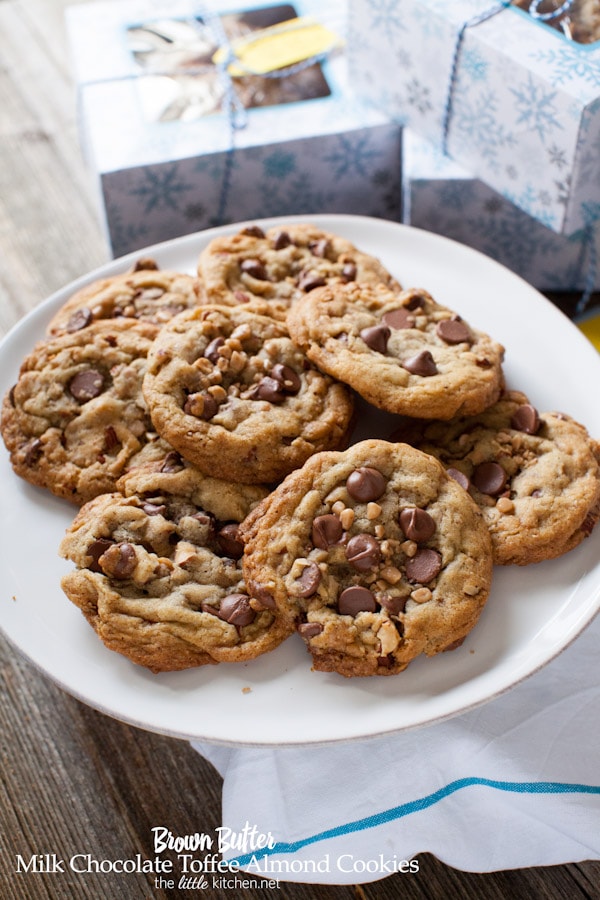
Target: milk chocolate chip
269,389
319,248
326,530
236,610
365,484
288,379
309,281
253,231
254,268
309,580
376,337
398,318
424,566
281,240
95,551
229,541
309,630
459,477
348,272
356,599
421,364
212,350
526,419
32,451
86,385
416,524
202,405
489,478
453,331
119,560
363,552
81,318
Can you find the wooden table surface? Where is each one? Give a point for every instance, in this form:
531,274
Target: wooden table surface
70,775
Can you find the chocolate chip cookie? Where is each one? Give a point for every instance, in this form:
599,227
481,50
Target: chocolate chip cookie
403,352
382,554
158,571
228,389
147,294
536,477
282,265
76,415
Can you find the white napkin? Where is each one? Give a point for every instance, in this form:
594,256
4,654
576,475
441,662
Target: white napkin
514,783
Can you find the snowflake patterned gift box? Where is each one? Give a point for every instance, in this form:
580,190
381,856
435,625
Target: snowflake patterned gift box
439,195
172,153
509,97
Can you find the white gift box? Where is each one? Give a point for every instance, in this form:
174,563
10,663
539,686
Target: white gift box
439,195
522,112
161,179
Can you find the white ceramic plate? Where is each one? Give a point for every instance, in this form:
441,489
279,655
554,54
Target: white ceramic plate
531,615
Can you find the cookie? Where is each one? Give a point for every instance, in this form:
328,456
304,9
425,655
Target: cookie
228,389
402,352
283,264
536,477
76,415
382,554
159,576
147,294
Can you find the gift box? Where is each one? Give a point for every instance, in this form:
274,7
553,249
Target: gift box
180,143
439,195
507,96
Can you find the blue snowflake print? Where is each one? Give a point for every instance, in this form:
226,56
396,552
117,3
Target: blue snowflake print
160,188
477,125
570,64
418,95
456,195
474,65
352,156
279,164
429,23
528,200
591,212
510,237
563,190
295,196
557,156
536,108
386,17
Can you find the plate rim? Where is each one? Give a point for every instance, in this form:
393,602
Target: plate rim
36,316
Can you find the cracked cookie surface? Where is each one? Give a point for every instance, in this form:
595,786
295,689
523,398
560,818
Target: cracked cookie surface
535,476
403,352
229,390
282,264
159,576
76,415
383,556
148,294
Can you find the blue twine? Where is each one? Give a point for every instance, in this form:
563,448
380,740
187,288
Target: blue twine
475,20
552,14
234,109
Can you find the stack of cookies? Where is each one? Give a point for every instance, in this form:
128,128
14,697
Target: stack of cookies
203,424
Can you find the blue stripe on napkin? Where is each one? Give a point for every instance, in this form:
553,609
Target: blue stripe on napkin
405,809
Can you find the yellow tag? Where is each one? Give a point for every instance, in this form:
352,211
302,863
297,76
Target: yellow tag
591,329
279,46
